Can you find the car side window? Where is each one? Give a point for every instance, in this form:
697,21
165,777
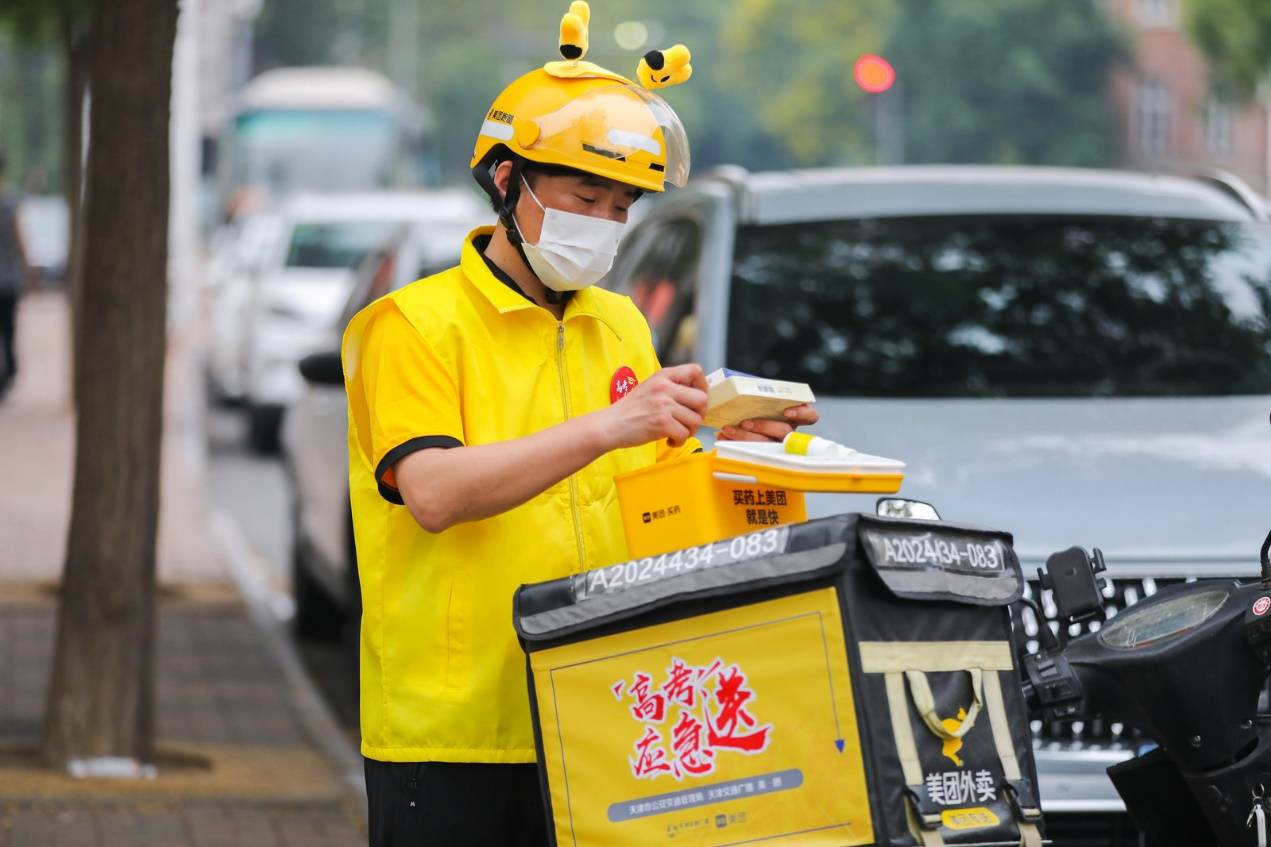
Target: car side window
659,272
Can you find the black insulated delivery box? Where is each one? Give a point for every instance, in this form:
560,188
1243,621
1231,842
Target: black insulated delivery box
844,681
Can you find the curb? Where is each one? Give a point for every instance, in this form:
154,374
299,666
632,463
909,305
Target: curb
264,608
267,609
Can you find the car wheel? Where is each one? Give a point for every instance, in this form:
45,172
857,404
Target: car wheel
264,424
216,398
318,616
215,392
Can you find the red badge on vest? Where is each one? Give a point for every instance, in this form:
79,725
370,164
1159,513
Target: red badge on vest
624,379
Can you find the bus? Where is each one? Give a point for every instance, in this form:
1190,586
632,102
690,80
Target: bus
324,130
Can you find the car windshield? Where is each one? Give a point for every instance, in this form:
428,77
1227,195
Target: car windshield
320,150
1005,306
335,245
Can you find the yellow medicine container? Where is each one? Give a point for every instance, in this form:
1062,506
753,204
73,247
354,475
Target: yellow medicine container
737,488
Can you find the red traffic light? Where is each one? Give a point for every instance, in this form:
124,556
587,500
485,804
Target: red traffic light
874,73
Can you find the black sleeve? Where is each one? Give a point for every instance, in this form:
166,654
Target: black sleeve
401,451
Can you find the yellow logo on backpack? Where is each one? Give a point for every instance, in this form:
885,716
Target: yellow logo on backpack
951,746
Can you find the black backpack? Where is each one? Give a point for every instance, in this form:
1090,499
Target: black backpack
892,636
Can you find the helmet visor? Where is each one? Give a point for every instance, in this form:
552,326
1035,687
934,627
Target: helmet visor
620,131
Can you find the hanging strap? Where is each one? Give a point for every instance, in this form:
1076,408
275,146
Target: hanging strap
935,656
925,837
923,827
902,731
920,690
1257,820
1029,835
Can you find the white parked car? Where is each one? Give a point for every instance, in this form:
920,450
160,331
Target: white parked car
237,253
314,433
300,289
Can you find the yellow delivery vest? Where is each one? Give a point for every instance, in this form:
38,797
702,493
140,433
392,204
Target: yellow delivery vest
460,358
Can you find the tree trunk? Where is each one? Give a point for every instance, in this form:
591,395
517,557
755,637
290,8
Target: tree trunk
101,697
75,53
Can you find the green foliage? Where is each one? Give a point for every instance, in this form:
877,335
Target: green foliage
716,105
1007,81
1236,37
475,50
29,129
467,52
1002,81
311,32
33,33
1018,81
37,22
793,65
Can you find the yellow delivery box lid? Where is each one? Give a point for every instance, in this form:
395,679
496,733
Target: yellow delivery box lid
769,462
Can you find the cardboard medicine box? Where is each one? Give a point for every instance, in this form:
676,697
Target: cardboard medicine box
733,397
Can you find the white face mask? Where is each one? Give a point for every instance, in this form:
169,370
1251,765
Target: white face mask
573,251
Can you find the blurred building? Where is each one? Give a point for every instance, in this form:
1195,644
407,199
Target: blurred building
1169,117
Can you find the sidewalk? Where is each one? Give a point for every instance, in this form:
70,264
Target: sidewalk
244,757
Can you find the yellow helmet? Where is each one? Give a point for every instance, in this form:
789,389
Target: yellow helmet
602,124
575,114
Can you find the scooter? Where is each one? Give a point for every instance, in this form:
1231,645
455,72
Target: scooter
1186,667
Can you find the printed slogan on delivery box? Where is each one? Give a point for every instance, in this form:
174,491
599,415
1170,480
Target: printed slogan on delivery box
728,728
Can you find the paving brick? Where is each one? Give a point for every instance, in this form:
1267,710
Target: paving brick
225,704
215,683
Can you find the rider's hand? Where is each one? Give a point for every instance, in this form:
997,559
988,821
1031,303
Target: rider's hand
669,405
762,429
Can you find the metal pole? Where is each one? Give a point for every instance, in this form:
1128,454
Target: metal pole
183,214
889,127
878,128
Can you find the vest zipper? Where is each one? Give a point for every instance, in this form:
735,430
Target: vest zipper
573,478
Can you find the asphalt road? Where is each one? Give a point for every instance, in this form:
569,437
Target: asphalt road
251,490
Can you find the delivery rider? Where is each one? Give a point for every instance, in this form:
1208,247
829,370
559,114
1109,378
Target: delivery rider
490,407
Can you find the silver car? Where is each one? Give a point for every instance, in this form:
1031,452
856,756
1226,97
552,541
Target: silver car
1077,357
299,290
315,429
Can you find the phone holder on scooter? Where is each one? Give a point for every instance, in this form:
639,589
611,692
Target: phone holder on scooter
1072,577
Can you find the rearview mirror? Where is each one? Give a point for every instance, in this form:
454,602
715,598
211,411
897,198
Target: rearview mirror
899,507
322,369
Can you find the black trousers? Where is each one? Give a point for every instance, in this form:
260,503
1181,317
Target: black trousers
8,358
439,804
